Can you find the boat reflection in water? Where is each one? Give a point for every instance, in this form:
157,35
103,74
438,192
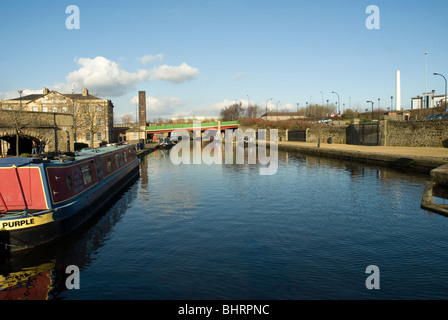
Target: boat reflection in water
41,273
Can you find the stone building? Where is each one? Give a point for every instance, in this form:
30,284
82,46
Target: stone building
91,117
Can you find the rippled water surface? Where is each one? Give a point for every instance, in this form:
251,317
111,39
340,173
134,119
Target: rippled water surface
227,232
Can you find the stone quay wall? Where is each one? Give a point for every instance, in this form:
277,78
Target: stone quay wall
423,133
337,134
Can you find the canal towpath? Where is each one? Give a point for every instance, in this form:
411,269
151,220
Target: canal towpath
418,159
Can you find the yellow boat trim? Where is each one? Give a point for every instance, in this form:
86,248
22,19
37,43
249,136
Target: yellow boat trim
27,222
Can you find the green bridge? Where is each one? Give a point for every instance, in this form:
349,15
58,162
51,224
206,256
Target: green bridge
187,126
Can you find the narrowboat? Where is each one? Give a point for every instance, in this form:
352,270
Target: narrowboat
166,144
44,199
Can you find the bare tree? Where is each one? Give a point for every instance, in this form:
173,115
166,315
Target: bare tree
126,118
232,112
253,111
90,119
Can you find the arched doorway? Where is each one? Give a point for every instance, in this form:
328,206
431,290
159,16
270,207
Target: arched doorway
8,145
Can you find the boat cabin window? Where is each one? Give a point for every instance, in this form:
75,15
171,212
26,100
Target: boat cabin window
68,181
117,164
108,165
125,157
86,175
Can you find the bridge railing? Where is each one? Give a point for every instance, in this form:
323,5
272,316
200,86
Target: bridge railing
190,125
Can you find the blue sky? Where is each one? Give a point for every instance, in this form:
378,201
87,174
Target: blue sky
194,57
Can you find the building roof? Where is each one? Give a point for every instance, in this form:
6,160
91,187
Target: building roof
281,114
28,97
76,96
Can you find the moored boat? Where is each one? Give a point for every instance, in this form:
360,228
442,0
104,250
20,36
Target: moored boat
43,199
166,144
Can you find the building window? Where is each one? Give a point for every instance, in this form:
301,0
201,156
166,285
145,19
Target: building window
87,122
98,121
99,136
45,109
88,136
99,108
55,109
64,109
135,136
35,109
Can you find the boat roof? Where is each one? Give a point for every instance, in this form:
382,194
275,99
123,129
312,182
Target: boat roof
81,155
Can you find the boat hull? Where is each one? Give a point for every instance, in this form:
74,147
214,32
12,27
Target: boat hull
31,231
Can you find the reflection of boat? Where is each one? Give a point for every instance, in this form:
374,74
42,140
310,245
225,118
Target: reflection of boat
41,200
41,274
33,283
166,144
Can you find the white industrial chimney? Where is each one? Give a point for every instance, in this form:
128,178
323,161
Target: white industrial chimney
397,91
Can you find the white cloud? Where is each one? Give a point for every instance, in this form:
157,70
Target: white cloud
175,74
15,94
148,58
105,77
213,110
238,75
160,107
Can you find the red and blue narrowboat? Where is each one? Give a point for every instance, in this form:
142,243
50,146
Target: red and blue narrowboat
44,199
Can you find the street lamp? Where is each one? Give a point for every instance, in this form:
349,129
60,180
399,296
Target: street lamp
438,74
372,107
20,93
267,108
276,108
426,75
339,101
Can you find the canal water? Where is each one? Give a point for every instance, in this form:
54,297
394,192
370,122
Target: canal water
223,231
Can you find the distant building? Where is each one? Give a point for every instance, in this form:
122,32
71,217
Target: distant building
279,116
428,100
92,116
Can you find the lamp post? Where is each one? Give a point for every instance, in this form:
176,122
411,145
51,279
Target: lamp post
339,101
20,94
73,113
438,74
372,107
276,108
267,108
426,76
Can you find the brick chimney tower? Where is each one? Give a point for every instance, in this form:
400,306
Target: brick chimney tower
142,108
